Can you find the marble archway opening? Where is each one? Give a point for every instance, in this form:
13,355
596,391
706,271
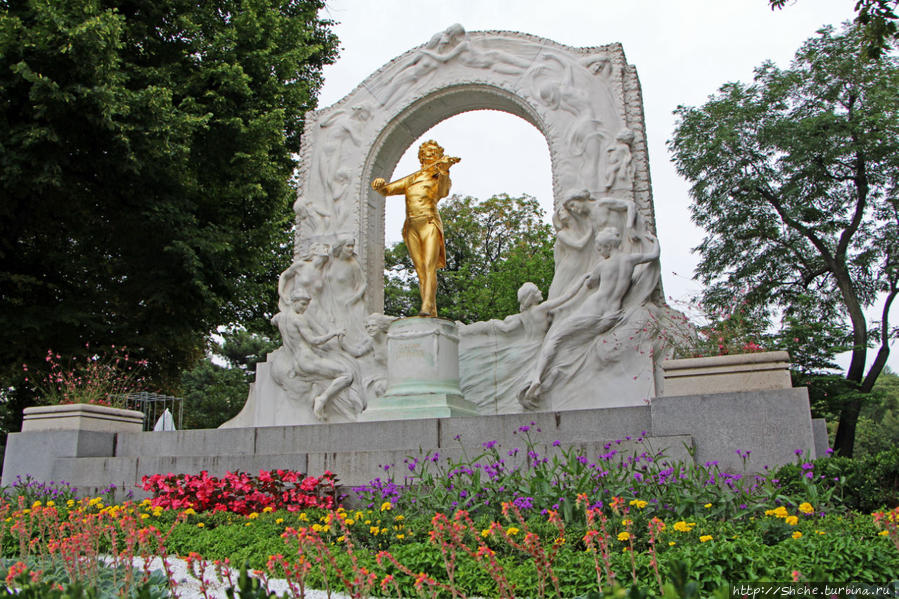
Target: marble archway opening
494,146
596,341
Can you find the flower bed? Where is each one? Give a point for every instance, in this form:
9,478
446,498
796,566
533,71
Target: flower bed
554,525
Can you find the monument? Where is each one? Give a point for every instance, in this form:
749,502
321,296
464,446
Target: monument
581,367
595,342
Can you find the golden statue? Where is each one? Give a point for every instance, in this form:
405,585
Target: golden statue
423,229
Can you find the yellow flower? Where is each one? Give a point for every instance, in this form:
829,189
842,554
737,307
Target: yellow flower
374,530
304,517
707,506
683,526
792,520
820,532
267,509
400,517
200,525
883,533
626,522
189,511
806,508
248,523
317,527
358,515
705,538
796,534
341,539
511,531
367,522
144,516
485,533
71,502
253,516
671,543
51,503
624,536
401,536
386,506
350,521
279,520
639,503
780,512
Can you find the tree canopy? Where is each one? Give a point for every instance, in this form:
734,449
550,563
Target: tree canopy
877,20
492,248
146,154
794,178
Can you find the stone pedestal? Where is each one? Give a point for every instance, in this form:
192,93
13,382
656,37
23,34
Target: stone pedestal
763,371
80,416
422,373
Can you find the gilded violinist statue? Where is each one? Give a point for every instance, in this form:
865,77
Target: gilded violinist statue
423,229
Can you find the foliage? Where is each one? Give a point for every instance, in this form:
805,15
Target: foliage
35,578
31,490
147,153
794,180
241,493
215,388
864,484
537,478
877,20
96,379
878,428
492,248
625,548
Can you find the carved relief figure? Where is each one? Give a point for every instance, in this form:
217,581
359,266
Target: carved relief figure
501,351
316,355
620,170
572,251
423,229
308,274
375,354
347,285
599,312
440,49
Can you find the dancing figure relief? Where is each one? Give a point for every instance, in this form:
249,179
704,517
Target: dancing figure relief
619,172
601,309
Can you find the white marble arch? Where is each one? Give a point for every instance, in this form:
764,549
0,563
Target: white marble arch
595,342
579,98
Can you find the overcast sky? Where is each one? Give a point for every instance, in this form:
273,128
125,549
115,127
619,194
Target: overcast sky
684,50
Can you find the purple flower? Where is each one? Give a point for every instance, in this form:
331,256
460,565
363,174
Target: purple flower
556,443
489,444
524,503
638,477
798,452
524,428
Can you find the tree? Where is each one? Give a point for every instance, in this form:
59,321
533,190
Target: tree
215,389
146,153
794,178
877,20
492,248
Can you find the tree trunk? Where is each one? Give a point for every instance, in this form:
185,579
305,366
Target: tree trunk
844,444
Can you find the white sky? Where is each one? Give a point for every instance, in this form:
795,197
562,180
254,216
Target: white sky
684,50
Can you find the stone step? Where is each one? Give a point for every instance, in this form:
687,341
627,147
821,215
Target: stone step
354,468
572,426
